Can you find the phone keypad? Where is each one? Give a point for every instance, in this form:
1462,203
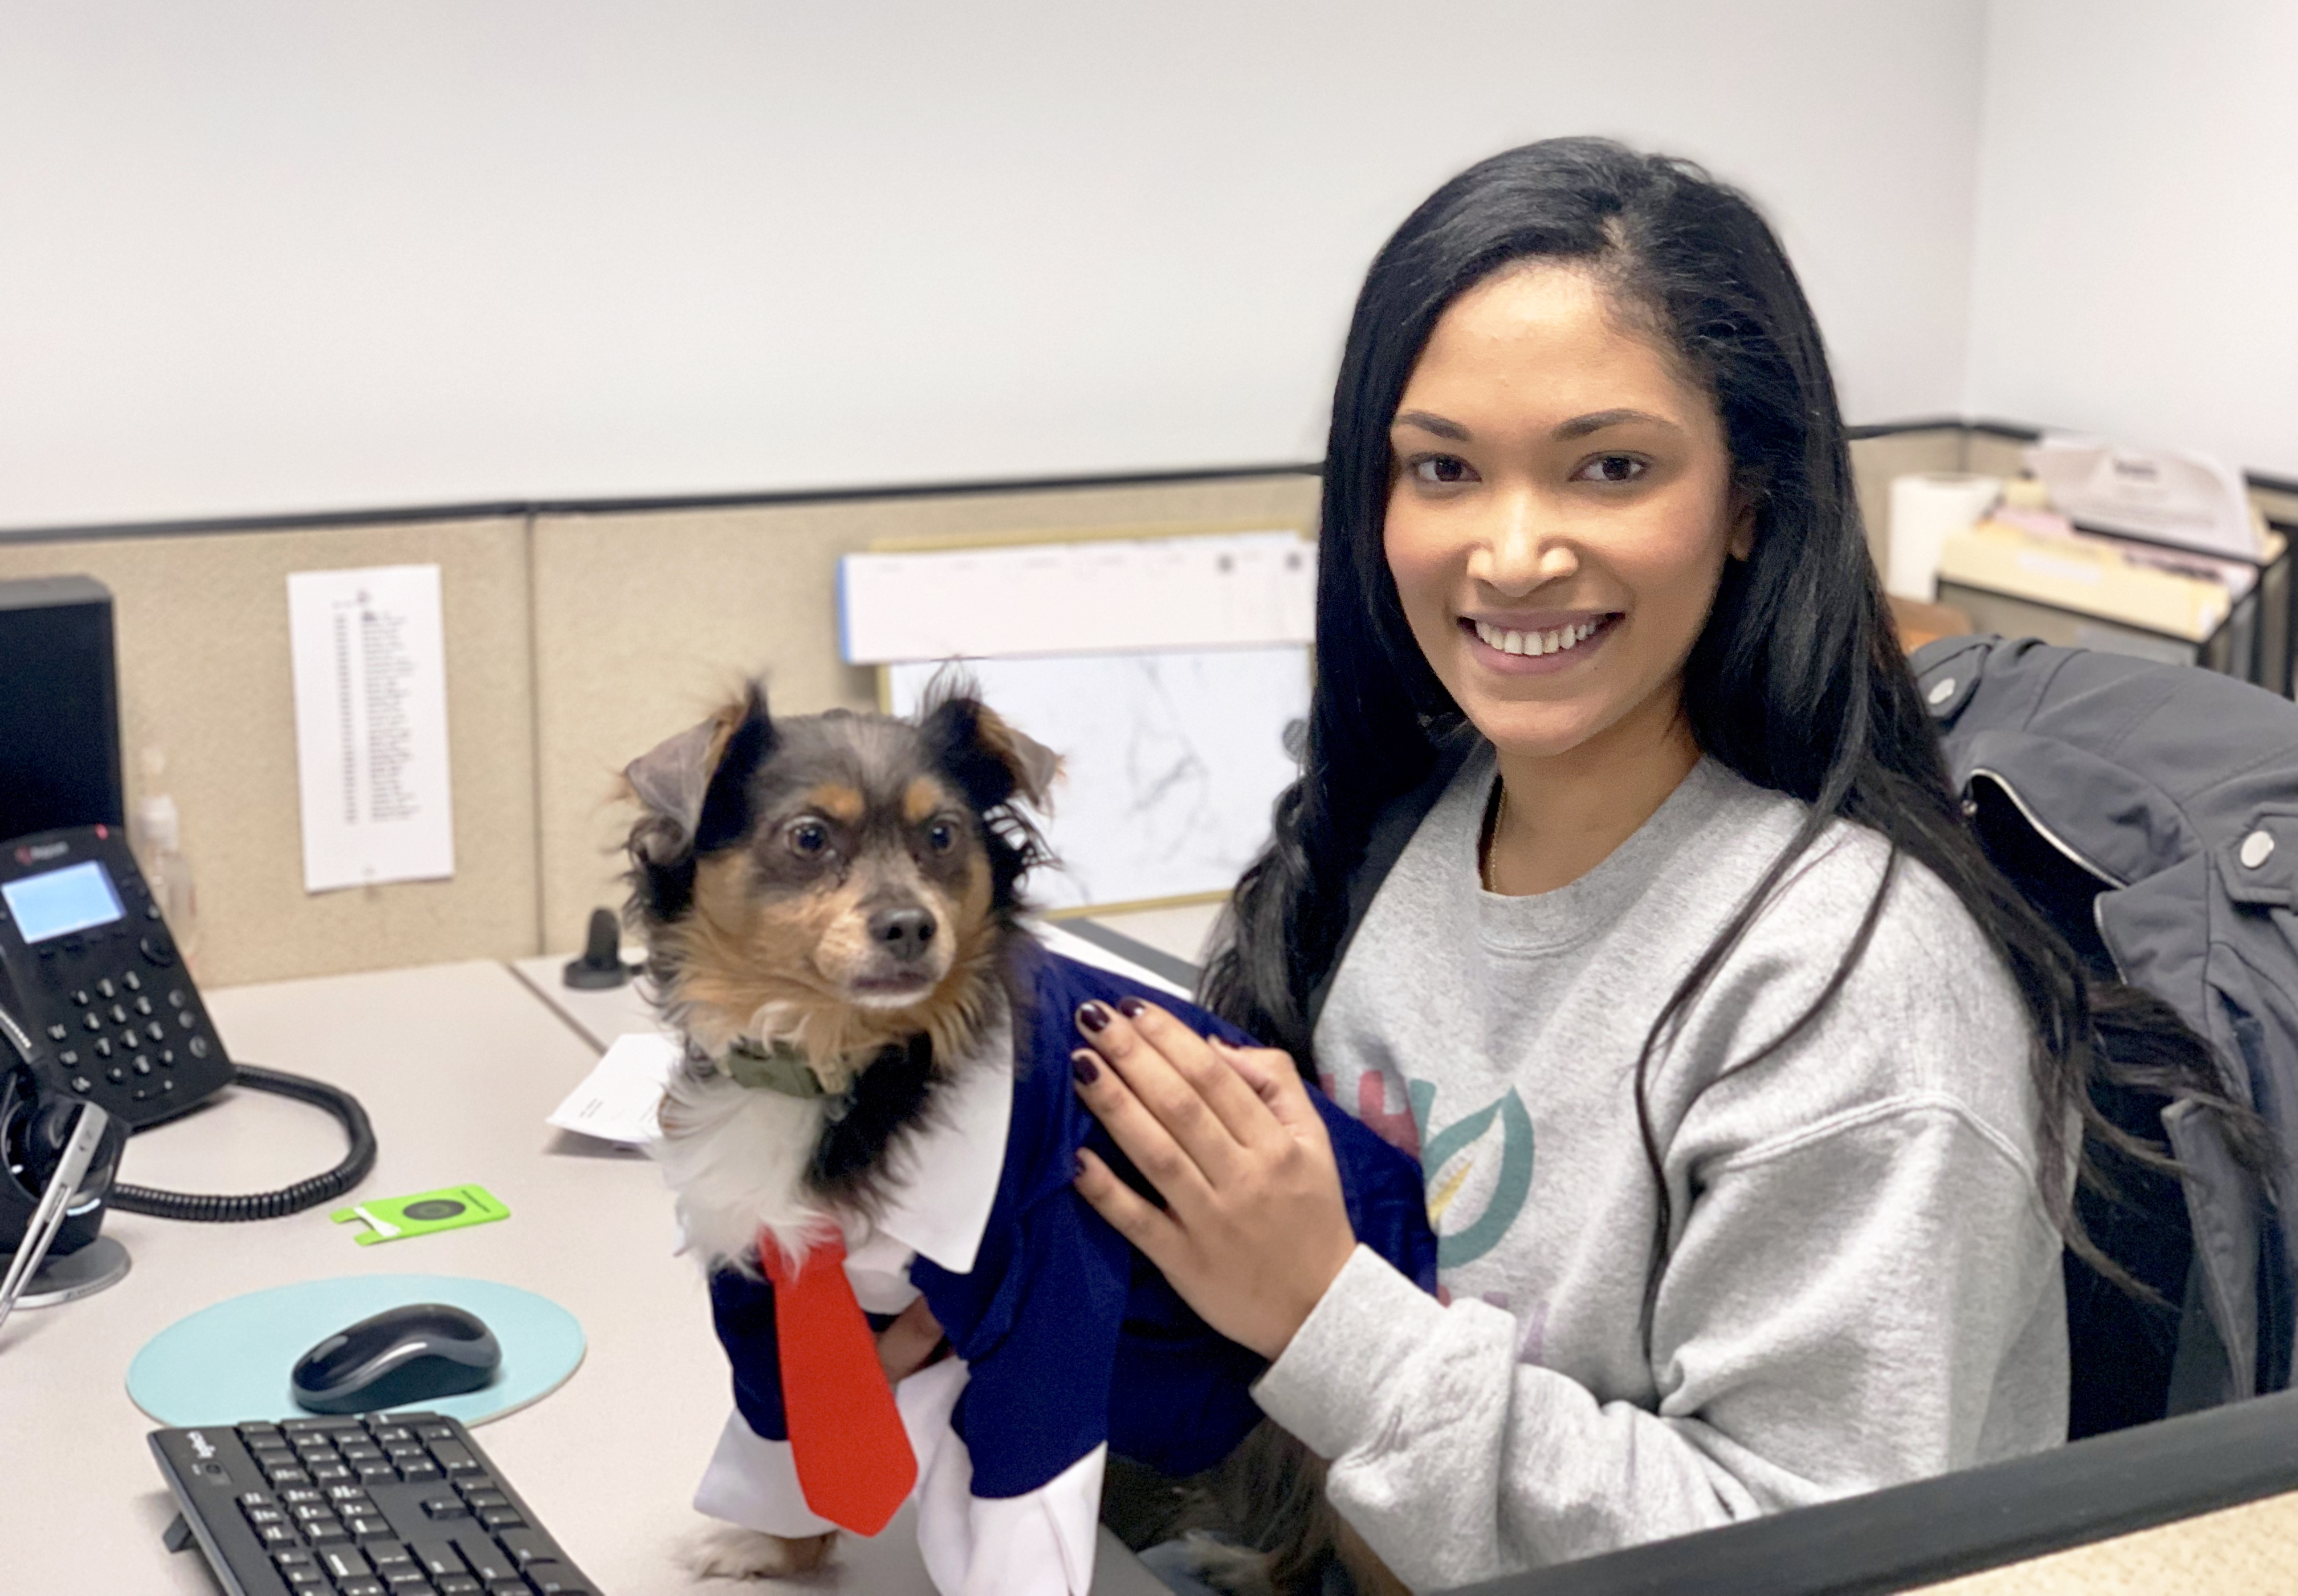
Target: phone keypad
140,1055
122,1020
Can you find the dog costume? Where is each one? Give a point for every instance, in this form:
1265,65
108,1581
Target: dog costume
1068,1341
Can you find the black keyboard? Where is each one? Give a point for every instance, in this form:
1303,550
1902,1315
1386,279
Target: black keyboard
381,1504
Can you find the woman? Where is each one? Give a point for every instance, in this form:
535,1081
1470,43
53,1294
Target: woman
1750,1098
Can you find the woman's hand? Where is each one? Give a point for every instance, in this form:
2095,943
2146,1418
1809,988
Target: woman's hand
910,1342
1253,1229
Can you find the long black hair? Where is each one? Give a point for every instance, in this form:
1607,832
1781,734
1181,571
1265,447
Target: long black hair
1798,681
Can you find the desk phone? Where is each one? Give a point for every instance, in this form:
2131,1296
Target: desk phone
89,970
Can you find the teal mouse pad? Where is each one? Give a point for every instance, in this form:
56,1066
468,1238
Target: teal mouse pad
229,1364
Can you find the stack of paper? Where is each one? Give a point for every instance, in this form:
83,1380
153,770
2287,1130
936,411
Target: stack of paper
2176,593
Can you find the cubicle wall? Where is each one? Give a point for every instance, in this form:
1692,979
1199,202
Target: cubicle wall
202,624
575,640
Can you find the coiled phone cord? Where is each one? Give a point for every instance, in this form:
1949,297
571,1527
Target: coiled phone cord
216,1208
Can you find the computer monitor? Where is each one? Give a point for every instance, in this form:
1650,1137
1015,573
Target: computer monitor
58,707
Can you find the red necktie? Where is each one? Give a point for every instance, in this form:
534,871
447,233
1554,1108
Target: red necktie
853,1457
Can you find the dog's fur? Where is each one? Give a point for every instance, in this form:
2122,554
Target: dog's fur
779,870
766,853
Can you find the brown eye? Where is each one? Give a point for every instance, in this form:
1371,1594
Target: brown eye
808,838
1613,467
1444,469
942,836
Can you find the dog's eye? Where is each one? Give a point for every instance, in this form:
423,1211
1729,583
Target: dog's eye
941,837
808,838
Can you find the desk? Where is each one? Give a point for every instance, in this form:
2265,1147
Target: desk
457,1064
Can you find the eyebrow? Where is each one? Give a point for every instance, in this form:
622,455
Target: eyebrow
1579,426
1434,423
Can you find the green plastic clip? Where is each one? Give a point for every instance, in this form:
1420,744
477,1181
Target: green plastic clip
449,1208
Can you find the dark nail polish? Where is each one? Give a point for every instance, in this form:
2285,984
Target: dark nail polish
1132,1008
1085,1066
1093,1016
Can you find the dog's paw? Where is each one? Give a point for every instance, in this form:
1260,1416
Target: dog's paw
730,1551
1211,1563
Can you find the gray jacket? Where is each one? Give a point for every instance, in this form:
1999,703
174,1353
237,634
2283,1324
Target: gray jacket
2178,790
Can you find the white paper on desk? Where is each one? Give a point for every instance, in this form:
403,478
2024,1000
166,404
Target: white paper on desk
618,1100
371,726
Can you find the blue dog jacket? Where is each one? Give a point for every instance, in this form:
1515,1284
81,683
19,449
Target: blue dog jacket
1071,1338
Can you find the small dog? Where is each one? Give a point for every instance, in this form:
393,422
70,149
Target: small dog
876,1063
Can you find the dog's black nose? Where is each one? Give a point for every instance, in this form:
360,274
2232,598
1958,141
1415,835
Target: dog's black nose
905,934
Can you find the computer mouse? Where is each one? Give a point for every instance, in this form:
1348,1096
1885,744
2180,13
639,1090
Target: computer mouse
400,1358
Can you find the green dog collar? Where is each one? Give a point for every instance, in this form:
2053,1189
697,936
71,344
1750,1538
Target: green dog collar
781,1067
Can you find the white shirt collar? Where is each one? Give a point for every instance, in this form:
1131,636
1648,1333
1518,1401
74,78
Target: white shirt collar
939,1200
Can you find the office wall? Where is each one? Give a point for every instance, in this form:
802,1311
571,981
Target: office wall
270,256
2138,233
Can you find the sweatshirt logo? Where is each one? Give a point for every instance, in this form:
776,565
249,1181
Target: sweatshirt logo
1454,1155
1451,1159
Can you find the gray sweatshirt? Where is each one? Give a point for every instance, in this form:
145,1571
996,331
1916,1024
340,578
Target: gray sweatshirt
1861,1285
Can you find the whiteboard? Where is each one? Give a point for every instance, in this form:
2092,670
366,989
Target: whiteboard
1170,762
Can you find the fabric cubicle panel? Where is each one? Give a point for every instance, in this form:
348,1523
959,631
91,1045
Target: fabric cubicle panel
1995,454
205,676
2245,1550
1876,459
644,621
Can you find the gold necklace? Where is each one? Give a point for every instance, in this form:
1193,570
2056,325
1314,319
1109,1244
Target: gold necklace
1493,813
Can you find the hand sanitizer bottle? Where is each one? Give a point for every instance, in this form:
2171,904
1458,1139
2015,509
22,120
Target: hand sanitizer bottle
156,832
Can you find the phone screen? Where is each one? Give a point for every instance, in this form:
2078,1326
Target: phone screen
62,901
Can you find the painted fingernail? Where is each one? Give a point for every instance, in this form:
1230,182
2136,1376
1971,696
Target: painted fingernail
1078,1165
1085,1066
1132,1008
1093,1016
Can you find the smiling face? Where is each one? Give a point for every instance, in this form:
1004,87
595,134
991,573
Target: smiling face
1560,507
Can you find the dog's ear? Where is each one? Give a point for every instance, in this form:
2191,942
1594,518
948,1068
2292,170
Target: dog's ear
669,780
991,762
694,790
724,817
